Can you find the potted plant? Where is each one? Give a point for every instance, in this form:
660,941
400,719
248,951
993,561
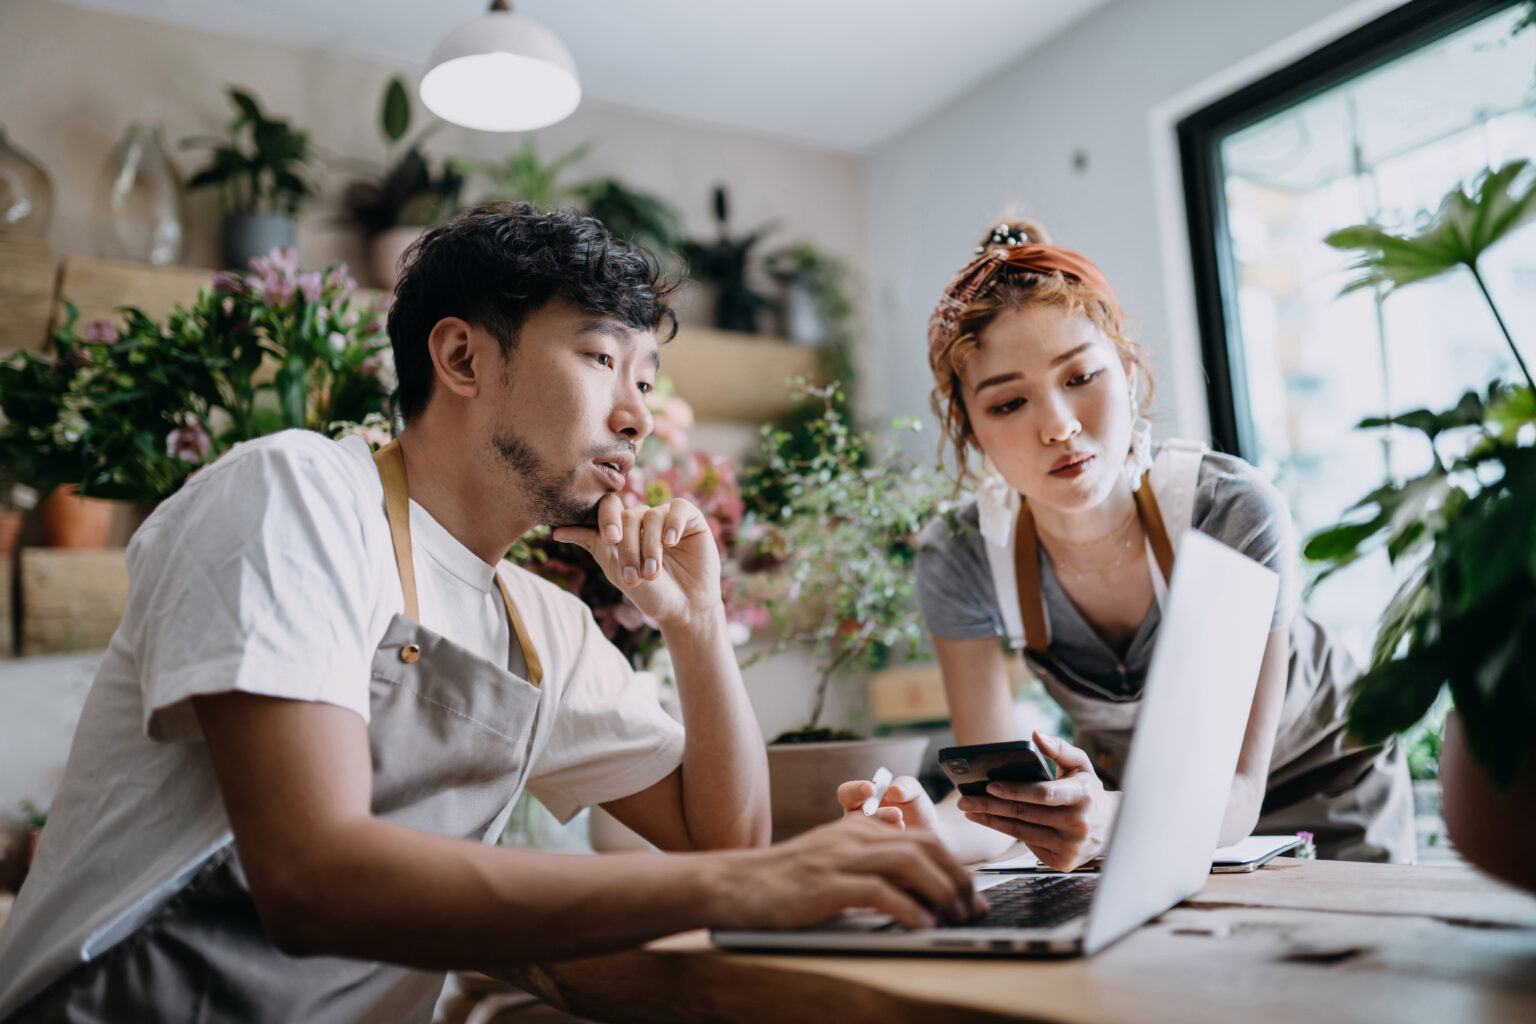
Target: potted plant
1465,619
816,305
261,173
724,264
129,410
842,517
395,205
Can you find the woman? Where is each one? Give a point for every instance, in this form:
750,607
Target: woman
1035,372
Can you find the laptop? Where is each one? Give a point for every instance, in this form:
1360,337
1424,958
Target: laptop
1177,776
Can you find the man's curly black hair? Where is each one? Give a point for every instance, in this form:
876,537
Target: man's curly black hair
498,264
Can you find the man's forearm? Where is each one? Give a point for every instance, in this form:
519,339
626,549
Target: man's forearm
725,771
375,890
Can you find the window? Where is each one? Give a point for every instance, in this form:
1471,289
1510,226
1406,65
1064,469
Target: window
1375,128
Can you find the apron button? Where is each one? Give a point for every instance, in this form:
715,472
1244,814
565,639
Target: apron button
409,653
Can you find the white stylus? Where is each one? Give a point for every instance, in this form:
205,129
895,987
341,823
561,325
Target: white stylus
882,781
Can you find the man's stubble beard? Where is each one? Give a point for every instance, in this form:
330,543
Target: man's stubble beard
549,496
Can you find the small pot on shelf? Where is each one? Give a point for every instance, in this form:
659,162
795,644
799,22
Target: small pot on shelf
71,520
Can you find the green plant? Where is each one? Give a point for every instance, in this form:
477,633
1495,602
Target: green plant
34,816
828,280
844,537
130,410
1466,616
261,166
637,217
524,176
407,192
724,262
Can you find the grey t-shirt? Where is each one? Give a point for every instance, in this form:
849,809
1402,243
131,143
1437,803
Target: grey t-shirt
1233,503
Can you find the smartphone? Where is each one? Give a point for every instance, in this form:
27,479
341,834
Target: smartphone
970,768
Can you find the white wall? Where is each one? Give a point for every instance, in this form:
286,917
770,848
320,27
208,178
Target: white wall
1110,87
71,81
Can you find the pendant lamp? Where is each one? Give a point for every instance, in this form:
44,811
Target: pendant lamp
501,72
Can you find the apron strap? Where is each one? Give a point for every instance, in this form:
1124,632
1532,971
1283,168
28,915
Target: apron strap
1026,564
1026,573
397,508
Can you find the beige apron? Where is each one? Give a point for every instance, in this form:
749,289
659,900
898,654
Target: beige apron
1356,800
450,734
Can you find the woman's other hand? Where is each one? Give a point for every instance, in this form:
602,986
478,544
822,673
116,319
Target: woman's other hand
904,805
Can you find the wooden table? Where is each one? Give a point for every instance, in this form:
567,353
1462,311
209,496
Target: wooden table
1298,942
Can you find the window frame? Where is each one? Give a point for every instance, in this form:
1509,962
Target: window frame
1393,35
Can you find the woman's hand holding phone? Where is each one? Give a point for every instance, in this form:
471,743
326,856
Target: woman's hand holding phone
1065,822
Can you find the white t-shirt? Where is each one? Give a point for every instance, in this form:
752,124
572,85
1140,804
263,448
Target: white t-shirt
272,572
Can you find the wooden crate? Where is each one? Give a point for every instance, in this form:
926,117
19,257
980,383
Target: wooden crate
71,599
98,287
27,277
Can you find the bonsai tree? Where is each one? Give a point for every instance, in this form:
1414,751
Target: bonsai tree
843,531
1466,616
407,192
261,167
724,262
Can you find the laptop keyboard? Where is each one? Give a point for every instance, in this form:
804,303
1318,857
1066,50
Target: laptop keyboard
1035,901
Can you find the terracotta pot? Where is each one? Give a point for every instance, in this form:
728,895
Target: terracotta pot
70,521
1492,829
10,529
804,776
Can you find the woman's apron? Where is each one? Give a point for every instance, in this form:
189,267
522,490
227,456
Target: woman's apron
450,734
1356,800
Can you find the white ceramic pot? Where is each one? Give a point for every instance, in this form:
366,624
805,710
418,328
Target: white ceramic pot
804,776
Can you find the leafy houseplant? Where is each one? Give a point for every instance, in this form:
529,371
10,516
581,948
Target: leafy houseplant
130,410
724,263
844,533
394,205
1465,618
261,173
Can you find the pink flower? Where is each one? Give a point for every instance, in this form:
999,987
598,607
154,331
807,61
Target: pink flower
188,442
672,420
228,283
99,331
311,285
338,277
78,355
623,616
337,340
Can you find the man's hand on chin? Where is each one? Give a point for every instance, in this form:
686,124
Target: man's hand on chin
663,558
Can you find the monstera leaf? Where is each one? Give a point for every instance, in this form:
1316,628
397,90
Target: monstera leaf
1463,229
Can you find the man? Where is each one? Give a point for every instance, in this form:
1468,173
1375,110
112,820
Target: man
328,689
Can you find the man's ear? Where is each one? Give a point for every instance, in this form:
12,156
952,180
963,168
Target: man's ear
458,356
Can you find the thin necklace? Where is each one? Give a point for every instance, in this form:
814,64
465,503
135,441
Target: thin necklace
1089,543
1078,572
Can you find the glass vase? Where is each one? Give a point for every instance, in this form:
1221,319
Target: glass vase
139,213
26,194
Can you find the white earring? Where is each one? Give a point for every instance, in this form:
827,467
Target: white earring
1139,459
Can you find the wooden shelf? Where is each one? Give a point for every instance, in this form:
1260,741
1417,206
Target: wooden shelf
725,375
71,598
737,378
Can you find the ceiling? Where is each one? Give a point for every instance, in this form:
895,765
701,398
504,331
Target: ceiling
838,74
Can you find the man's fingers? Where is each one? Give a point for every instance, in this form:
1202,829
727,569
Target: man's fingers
926,876
1063,753
675,526
879,894
610,518
650,527
582,536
